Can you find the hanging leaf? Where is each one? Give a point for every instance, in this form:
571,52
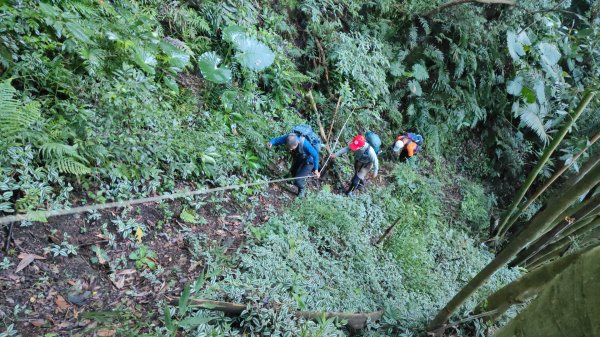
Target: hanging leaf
515,86
419,72
253,54
515,48
208,63
540,91
549,53
528,94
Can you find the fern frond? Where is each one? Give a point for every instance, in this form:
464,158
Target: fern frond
13,116
58,150
531,118
70,165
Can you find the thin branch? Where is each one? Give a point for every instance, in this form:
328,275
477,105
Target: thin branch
459,2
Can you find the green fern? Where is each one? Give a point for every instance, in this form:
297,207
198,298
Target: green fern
70,165
531,118
13,116
58,150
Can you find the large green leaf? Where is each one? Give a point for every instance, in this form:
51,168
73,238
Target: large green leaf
145,59
232,33
515,86
549,53
209,66
515,47
253,54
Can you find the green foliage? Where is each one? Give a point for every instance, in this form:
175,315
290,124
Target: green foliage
144,257
208,63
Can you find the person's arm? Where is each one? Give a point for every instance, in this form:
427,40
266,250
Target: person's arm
342,151
312,152
278,140
375,161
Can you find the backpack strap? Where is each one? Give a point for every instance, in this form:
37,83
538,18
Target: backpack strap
301,140
402,138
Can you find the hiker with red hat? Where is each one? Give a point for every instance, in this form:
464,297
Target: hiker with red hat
365,159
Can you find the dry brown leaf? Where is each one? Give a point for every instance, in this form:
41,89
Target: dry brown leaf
126,272
61,303
26,260
106,333
38,322
120,282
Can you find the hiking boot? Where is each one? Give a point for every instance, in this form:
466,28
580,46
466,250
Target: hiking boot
349,194
301,193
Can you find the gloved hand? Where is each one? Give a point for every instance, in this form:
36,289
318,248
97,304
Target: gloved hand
317,174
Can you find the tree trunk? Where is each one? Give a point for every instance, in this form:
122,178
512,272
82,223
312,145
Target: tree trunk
535,228
567,306
511,213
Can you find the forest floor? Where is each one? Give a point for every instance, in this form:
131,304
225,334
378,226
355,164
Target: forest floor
52,295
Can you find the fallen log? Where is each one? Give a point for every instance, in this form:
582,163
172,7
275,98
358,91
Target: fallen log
355,321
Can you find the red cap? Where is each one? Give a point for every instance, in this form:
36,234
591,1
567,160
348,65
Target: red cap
358,142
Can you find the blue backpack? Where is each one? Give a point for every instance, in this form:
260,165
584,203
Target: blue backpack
303,130
413,137
373,140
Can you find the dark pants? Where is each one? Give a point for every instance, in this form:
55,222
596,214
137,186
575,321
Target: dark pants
301,168
360,173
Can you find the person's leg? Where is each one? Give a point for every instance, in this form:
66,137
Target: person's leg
362,174
295,166
301,176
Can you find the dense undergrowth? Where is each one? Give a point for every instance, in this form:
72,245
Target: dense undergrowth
320,255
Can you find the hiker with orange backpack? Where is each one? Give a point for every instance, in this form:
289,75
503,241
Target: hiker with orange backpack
304,146
407,145
365,151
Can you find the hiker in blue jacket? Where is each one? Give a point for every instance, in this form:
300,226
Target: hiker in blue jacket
305,158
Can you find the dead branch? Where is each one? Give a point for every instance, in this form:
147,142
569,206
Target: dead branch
355,321
459,2
388,231
337,108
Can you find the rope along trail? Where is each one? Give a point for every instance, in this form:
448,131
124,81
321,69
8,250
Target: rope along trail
124,203
119,204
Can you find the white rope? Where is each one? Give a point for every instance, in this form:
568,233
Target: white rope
119,204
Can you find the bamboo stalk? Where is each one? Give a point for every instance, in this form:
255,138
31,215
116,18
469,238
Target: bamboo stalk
535,228
512,210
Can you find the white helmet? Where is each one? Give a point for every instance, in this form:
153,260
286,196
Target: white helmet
398,145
